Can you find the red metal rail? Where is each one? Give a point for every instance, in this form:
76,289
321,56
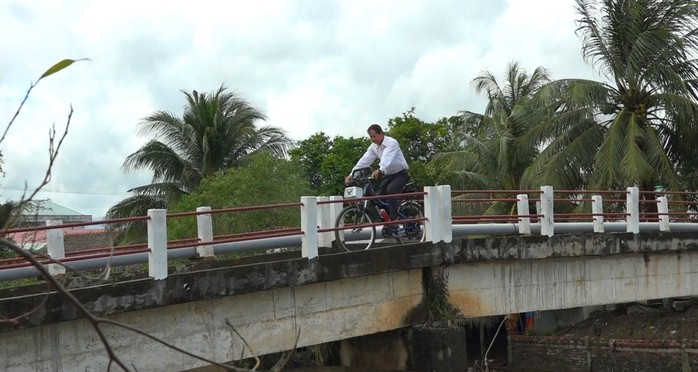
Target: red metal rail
76,224
92,253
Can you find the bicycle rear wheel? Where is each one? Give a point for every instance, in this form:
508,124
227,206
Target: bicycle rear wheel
358,238
413,230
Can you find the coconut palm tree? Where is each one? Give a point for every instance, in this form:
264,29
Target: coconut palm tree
217,131
494,153
639,125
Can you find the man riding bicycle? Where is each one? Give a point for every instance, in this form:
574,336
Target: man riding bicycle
392,169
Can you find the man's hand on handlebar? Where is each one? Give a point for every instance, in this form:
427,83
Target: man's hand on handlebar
360,174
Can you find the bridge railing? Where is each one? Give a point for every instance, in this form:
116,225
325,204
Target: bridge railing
448,213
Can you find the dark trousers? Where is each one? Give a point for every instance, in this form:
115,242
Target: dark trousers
393,184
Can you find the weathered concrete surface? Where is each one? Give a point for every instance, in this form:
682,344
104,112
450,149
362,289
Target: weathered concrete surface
328,299
268,320
218,282
341,296
500,276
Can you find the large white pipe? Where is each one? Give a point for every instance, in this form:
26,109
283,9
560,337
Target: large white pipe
459,230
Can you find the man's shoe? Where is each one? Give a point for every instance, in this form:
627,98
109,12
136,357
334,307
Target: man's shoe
394,229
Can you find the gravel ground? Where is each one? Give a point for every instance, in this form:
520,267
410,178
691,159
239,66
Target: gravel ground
639,322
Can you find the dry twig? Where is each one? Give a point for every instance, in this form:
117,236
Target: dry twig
53,283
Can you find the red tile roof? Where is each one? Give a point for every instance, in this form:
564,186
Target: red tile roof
40,236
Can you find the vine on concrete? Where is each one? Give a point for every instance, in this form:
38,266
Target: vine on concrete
435,307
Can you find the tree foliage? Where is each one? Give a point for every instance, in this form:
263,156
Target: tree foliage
421,142
639,126
266,179
310,153
326,162
494,149
217,131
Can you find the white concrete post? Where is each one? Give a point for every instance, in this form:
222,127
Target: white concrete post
547,222
335,209
632,206
663,209
521,211
55,247
309,240
324,221
597,210
157,243
204,225
432,226
446,214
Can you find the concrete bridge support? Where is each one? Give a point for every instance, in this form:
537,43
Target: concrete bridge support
268,320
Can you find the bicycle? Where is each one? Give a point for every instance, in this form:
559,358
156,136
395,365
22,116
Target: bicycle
363,213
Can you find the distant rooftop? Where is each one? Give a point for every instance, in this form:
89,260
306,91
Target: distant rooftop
38,212
49,208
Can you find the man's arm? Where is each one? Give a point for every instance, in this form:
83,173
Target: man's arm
366,160
369,157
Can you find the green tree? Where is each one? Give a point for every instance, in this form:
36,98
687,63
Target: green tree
325,162
217,131
639,126
310,153
494,149
421,141
344,154
266,179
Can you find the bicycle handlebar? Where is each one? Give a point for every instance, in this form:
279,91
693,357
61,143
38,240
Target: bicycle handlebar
361,174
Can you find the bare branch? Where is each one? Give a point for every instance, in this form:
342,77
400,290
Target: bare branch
21,105
256,358
53,283
287,355
97,321
53,154
67,295
169,345
51,70
15,320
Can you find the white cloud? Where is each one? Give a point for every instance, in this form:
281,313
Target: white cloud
333,66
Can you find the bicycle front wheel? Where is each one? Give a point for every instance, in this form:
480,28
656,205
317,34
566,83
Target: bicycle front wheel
354,238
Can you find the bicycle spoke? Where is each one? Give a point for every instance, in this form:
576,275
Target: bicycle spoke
358,238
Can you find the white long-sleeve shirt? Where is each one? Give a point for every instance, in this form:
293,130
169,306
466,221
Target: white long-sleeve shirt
391,158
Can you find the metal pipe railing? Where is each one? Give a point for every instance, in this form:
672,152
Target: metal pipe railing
319,213
459,230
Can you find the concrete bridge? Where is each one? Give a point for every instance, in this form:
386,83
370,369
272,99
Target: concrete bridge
533,263
342,295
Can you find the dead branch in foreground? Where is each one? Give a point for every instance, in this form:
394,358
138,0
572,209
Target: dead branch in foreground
54,284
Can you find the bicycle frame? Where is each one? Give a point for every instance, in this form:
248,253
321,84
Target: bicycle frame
375,205
362,212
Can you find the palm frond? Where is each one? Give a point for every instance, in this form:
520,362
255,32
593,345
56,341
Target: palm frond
165,190
567,159
162,160
635,167
215,131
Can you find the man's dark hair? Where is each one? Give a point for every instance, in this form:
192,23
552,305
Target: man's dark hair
376,128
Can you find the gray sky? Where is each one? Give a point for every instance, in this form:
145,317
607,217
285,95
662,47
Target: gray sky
309,65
